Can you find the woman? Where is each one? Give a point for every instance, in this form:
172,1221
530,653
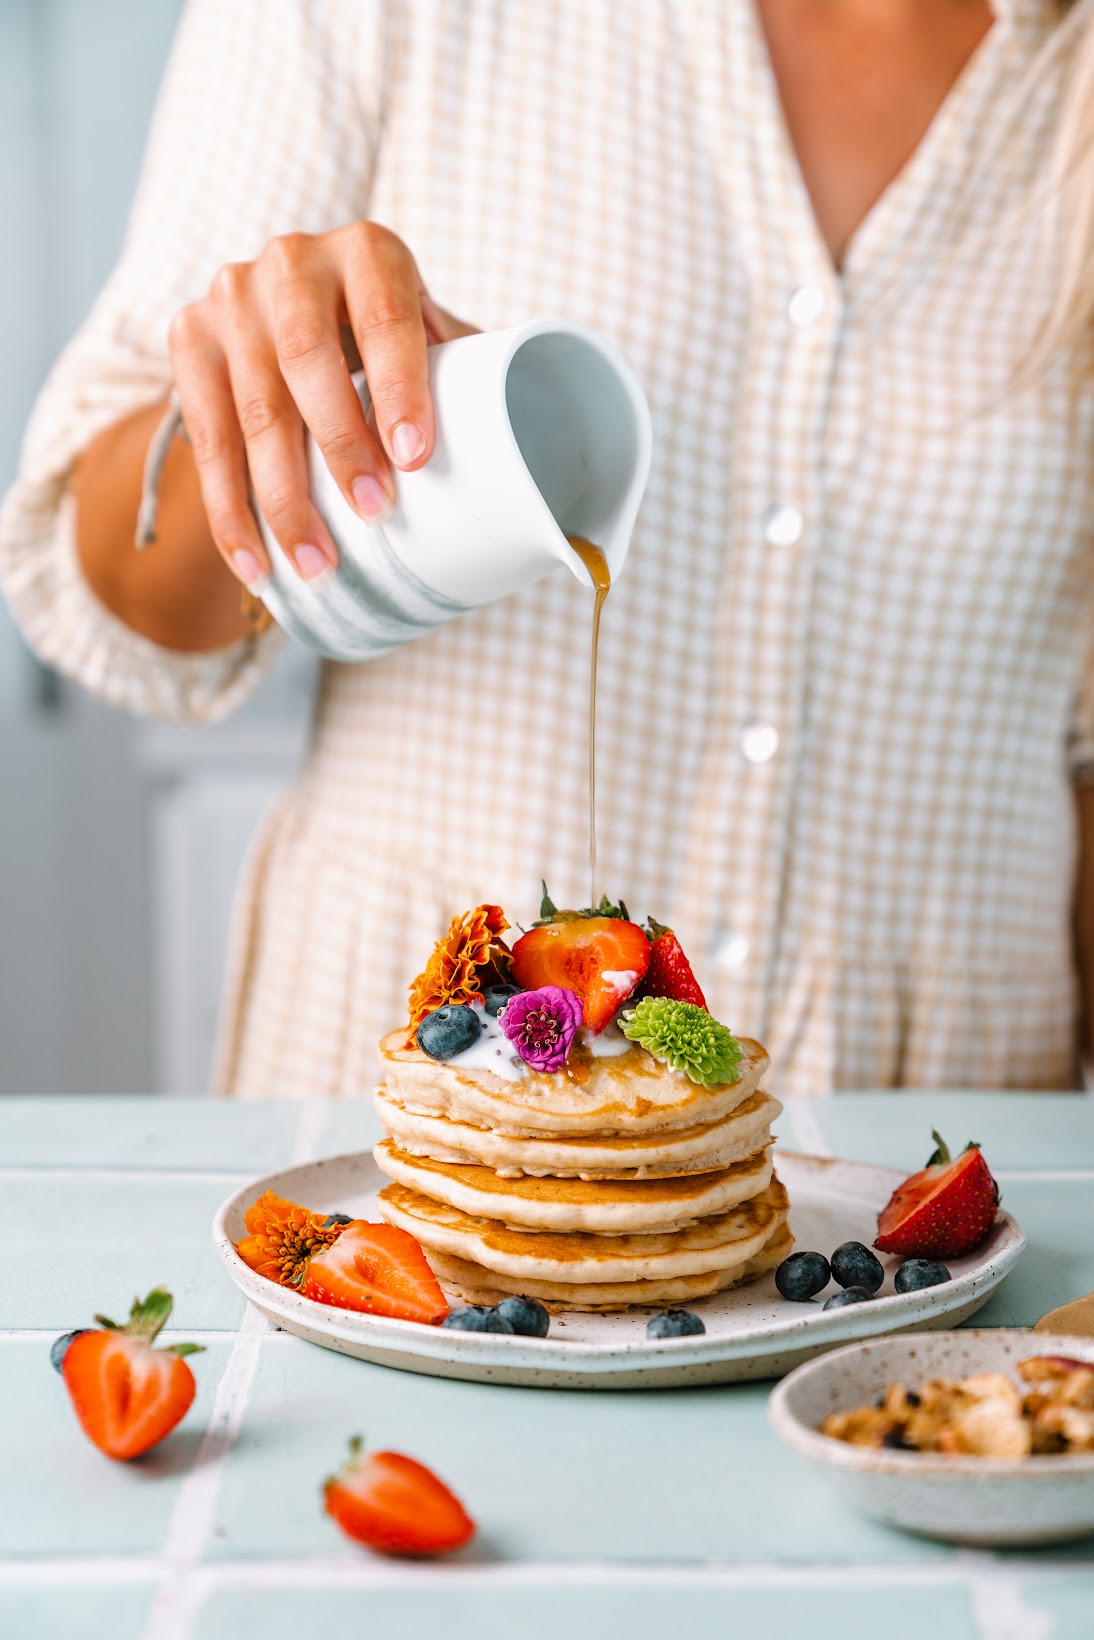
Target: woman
845,685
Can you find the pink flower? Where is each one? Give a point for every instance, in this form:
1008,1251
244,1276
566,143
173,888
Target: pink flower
542,1024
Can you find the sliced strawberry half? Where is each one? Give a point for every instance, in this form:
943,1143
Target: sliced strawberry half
670,973
944,1210
127,1395
396,1505
597,953
378,1268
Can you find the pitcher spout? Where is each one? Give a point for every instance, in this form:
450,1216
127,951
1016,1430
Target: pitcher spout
582,425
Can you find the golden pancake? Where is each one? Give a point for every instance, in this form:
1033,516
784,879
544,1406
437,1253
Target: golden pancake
602,1206
701,1149
617,1095
612,1182
714,1243
475,1285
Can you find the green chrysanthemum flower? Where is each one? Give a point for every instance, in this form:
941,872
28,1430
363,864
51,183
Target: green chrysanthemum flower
685,1037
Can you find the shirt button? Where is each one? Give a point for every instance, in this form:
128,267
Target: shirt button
783,526
759,742
731,949
805,305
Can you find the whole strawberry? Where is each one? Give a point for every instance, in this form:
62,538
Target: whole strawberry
669,973
396,1505
945,1210
127,1395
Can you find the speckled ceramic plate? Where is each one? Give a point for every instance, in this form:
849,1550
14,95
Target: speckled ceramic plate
751,1332
987,1502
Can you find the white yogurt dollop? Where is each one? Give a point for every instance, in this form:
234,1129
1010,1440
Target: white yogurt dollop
492,1051
621,980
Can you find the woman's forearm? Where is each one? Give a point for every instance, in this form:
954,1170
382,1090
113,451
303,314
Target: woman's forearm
178,592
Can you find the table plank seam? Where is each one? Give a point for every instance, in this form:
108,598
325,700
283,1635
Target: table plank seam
180,1335
180,1594
191,1520
98,1170
1044,1175
806,1141
325,1571
997,1597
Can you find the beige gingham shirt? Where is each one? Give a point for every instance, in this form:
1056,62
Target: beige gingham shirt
845,675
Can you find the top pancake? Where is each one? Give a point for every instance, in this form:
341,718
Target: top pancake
616,1095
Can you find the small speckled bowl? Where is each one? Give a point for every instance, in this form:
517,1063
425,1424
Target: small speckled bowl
982,1501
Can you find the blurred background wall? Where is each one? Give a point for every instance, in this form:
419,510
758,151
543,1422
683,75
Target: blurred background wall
119,842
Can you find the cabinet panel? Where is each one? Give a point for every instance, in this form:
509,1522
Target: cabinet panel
201,829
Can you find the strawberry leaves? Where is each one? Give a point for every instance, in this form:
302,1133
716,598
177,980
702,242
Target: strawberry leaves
549,912
147,1319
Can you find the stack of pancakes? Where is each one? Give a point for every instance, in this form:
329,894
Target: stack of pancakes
615,1181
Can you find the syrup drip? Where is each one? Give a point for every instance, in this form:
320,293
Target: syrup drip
597,566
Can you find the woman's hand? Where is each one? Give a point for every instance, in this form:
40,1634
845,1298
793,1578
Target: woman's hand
262,357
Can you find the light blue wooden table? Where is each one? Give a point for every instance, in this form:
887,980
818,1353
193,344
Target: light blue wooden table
630,1514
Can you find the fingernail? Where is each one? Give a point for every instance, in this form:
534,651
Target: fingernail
311,562
371,499
248,568
407,443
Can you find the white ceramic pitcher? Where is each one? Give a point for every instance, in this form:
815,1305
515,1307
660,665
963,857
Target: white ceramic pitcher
542,431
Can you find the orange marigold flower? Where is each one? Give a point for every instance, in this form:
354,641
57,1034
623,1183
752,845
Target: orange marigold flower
470,952
282,1238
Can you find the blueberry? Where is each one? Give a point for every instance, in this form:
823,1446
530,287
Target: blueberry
915,1273
448,1031
525,1316
59,1348
802,1276
674,1324
853,1265
498,996
477,1318
335,1218
849,1295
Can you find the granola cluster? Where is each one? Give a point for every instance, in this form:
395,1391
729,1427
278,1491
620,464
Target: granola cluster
986,1416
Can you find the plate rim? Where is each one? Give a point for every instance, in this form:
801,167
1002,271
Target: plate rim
854,1324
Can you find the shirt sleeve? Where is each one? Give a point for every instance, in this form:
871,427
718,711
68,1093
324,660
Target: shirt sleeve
267,122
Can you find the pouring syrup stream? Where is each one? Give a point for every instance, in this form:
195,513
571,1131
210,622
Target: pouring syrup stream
597,566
